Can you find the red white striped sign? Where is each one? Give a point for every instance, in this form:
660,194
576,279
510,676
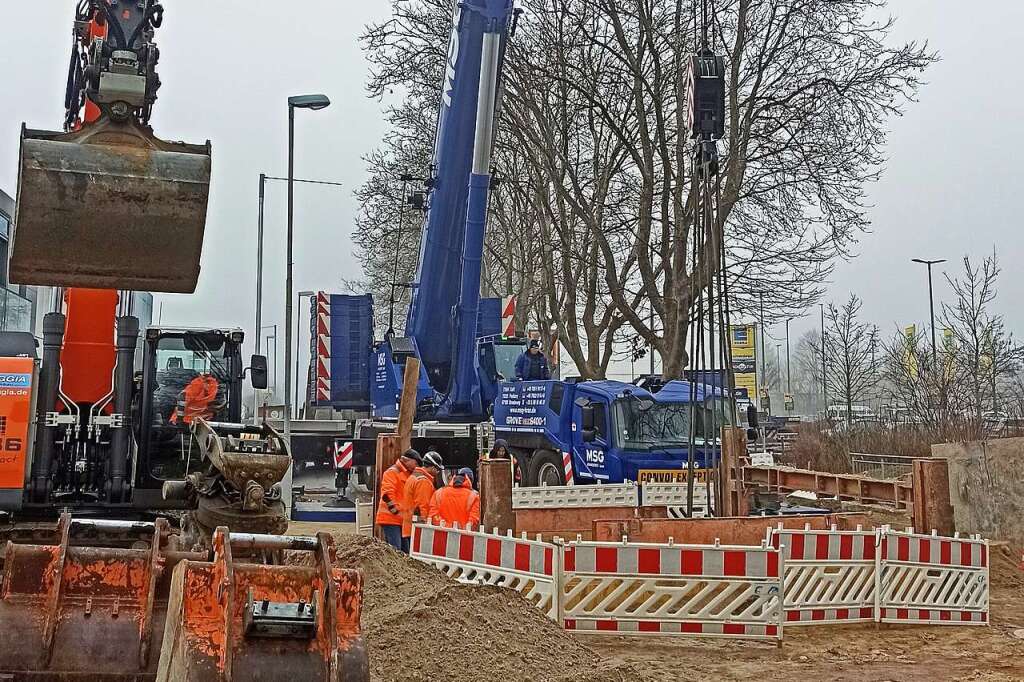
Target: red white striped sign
343,454
567,465
508,316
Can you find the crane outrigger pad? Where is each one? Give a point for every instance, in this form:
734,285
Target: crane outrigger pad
110,207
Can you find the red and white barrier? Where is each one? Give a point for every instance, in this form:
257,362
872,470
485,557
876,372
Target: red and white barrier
830,575
567,467
705,590
530,567
932,579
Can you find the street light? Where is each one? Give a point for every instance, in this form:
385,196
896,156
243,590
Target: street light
298,335
931,298
314,103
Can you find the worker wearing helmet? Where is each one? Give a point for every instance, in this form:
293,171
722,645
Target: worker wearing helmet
457,503
392,490
419,490
532,365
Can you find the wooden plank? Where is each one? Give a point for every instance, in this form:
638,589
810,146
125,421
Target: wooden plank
407,405
932,507
388,450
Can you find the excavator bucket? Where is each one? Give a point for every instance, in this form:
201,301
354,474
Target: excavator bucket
229,619
110,207
118,600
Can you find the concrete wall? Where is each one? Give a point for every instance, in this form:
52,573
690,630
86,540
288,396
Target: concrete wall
986,487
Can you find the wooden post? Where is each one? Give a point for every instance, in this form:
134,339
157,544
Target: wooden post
388,451
932,508
496,495
407,405
734,451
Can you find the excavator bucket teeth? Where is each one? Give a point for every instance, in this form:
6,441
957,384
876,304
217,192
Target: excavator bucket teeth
110,207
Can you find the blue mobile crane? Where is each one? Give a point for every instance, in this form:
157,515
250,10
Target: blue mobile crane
606,431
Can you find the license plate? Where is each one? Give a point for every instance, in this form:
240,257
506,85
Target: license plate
670,475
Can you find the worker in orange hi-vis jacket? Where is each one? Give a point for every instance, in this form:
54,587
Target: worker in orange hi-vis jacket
457,503
419,490
392,492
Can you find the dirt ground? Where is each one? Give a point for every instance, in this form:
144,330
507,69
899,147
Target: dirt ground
419,625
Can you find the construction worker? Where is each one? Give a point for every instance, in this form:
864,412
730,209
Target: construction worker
457,502
392,490
532,365
419,490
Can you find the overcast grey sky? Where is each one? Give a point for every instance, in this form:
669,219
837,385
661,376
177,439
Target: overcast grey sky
952,185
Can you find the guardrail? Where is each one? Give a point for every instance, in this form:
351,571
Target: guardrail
847,487
883,467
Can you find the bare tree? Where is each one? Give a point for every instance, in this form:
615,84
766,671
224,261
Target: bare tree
852,352
594,148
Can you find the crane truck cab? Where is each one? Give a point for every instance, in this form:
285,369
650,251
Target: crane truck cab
566,432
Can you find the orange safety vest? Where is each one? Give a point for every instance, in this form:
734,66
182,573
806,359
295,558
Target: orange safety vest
392,487
197,397
419,490
456,504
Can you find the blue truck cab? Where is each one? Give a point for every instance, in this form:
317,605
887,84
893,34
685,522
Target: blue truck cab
564,432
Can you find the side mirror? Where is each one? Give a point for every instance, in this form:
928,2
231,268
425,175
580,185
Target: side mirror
258,371
589,435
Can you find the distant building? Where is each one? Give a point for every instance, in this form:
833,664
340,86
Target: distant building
19,304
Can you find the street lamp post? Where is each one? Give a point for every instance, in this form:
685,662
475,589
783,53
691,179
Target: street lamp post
824,380
313,103
789,376
931,299
298,338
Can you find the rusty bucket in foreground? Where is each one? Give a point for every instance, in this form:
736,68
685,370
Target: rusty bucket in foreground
110,207
89,613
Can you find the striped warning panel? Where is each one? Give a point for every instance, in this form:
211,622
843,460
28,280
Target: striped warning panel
931,549
934,616
483,549
743,630
638,559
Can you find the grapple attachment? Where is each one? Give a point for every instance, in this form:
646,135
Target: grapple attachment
110,207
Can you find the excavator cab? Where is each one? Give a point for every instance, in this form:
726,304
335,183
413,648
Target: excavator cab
106,204
187,375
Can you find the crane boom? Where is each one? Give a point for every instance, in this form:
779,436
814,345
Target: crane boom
442,317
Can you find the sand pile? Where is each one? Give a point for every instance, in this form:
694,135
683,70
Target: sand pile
418,624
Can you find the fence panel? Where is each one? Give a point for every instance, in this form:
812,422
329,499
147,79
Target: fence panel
560,497
830,575
932,579
529,567
673,496
702,590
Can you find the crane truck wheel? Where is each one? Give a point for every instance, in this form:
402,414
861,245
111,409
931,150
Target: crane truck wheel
545,468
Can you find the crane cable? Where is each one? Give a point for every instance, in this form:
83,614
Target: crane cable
710,358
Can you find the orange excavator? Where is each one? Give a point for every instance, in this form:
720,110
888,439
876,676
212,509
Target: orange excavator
143,520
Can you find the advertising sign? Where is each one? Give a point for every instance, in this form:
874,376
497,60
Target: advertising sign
744,358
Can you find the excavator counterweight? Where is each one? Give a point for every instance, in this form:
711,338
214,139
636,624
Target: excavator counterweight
110,207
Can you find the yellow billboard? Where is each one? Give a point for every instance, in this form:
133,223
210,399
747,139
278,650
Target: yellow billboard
744,359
